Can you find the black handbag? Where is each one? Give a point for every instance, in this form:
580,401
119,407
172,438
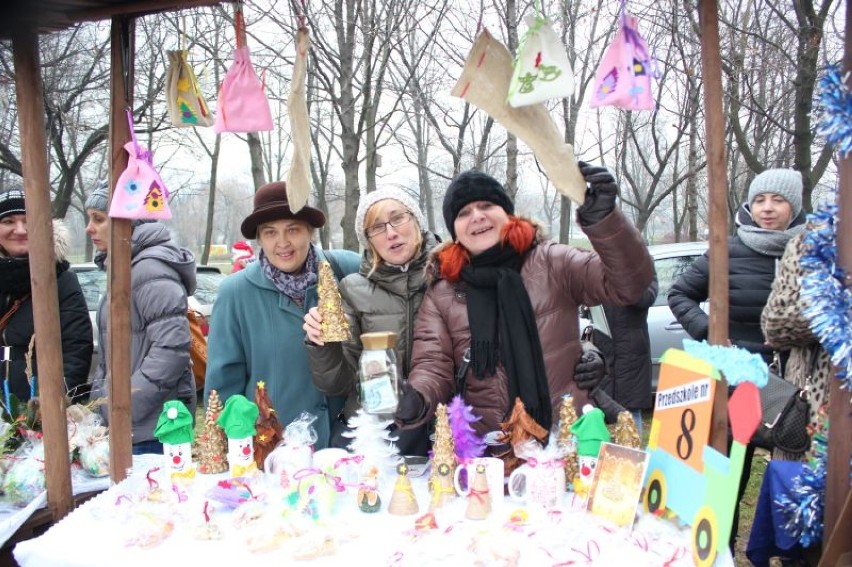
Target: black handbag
785,414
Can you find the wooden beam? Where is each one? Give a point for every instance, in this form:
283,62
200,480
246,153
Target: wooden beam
839,413
45,296
117,349
714,125
137,9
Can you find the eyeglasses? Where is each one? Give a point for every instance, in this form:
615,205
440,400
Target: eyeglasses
395,221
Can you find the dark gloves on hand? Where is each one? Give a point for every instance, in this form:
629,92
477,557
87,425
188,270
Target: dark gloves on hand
590,370
600,195
411,406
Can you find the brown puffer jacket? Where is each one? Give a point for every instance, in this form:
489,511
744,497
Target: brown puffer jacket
558,278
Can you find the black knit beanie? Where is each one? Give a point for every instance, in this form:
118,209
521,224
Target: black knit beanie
473,186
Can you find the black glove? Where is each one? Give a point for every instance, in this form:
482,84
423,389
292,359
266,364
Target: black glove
600,195
590,370
610,407
411,406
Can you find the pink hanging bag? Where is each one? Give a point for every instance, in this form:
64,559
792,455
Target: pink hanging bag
140,192
243,106
623,78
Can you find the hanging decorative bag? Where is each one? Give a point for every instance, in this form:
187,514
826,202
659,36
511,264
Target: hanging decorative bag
187,106
140,192
243,106
785,413
623,78
542,70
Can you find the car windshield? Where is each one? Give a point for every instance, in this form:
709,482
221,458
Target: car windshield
94,284
207,285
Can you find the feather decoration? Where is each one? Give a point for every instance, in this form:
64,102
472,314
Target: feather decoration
468,444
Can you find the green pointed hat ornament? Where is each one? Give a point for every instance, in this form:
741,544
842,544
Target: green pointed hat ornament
590,431
175,424
238,417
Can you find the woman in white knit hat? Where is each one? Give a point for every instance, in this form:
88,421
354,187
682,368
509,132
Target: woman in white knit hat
765,223
384,296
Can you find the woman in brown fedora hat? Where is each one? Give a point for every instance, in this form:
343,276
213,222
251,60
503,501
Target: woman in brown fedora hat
256,328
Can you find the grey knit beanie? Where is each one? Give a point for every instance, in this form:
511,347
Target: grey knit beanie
370,199
99,199
784,182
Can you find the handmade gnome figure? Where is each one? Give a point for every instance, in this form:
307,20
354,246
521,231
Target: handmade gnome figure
566,440
368,498
626,433
238,419
590,431
335,326
403,502
479,499
175,431
212,443
269,429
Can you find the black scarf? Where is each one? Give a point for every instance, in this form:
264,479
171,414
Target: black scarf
498,300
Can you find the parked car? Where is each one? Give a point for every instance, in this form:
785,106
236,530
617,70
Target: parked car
94,284
670,261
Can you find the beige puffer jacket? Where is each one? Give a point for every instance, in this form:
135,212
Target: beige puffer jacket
558,278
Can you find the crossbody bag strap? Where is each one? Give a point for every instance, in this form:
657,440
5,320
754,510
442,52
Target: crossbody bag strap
12,310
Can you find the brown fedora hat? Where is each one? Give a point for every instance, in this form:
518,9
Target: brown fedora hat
270,204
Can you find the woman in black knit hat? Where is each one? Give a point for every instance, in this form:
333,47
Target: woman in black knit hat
16,307
505,298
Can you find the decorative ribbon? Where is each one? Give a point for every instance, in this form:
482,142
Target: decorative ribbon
332,480
406,489
550,463
588,555
243,470
479,494
187,474
152,482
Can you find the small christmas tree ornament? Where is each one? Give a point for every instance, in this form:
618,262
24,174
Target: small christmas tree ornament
626,433
238,419
441,487
174,430
269,429
468,445
519,428
590,431
566,440
403,502
479,499
443,449
335,326
212,443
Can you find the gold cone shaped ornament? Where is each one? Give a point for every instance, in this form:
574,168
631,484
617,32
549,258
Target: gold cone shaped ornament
212,443
484,83
626,432
335,326
443,448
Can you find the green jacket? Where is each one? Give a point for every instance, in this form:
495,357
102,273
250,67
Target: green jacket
256,334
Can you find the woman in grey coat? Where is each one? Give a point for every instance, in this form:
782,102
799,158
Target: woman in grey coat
162,276
383,296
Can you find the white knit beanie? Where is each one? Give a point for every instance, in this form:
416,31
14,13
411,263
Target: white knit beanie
370,199
784,182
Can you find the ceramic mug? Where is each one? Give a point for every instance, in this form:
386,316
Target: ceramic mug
538,483
493,476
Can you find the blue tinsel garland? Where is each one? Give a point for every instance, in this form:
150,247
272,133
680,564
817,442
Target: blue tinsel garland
834,109
829,308
803,509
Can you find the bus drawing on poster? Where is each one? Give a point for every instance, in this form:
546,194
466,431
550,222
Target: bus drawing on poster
686,476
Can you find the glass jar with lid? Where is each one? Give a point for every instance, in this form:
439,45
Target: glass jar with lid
378,373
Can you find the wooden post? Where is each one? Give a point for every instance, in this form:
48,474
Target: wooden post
45,297
714,125
117,348
839,418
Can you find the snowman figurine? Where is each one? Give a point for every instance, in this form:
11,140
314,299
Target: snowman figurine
590,431
238,419
174,430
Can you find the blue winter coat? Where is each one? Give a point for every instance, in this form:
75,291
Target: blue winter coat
256,335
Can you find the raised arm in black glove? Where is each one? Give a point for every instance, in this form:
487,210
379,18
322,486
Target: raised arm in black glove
411,406
590,370
600,194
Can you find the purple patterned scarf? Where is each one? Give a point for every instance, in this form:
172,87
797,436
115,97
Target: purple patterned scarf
293,285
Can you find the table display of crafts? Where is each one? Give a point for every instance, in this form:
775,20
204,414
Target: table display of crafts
370,502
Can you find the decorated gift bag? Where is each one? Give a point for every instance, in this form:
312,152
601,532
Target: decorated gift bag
623,78
542,70
140,192
243,106
187,106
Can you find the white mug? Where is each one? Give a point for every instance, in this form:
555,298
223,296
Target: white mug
493,476
540,483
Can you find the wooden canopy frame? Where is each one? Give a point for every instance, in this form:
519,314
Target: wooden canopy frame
23,24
